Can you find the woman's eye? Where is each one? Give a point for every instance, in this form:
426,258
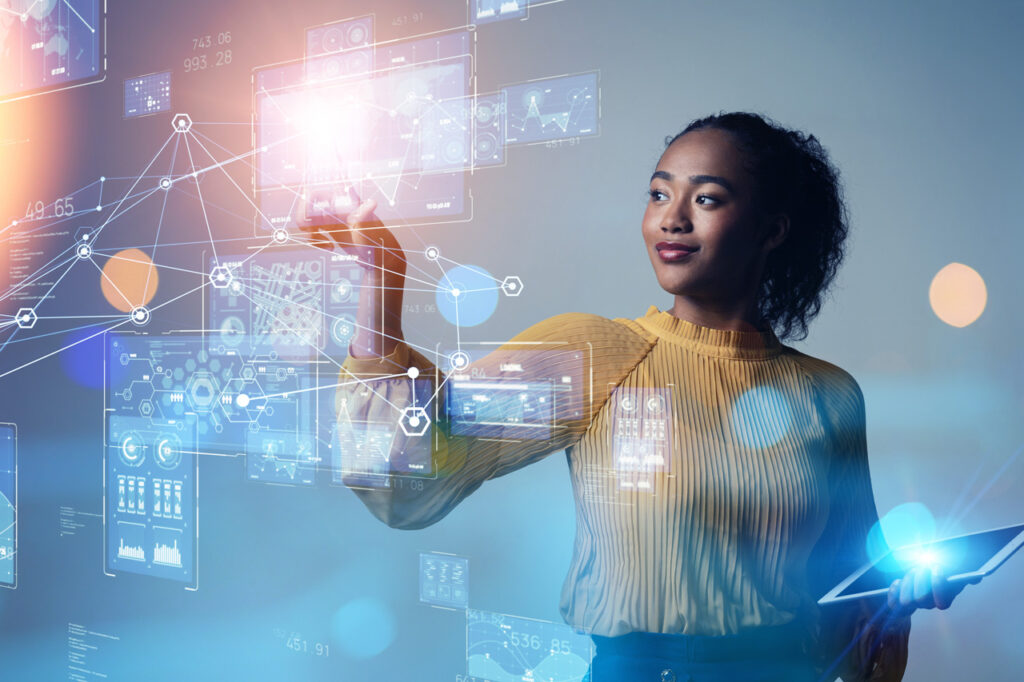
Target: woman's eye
705,196
656,194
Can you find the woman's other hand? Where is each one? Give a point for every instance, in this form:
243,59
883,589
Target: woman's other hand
924,587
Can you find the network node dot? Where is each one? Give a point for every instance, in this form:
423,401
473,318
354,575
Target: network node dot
413,372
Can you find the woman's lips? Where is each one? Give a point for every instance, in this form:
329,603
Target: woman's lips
671,252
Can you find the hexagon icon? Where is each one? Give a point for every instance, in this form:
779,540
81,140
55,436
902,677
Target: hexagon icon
182,123
202,391
220,277
414,421
512,286
26,318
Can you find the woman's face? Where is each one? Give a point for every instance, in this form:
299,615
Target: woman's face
701,227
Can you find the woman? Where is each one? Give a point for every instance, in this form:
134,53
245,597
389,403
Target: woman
703,539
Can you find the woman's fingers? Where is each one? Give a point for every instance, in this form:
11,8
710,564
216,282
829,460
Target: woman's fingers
945,591
893,597
363,215
354,230
924,595
907,589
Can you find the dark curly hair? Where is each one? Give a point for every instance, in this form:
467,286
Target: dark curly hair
794,176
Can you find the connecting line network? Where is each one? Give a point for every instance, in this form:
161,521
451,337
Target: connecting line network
90,244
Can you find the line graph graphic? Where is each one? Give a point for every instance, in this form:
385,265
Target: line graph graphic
552,109
503,648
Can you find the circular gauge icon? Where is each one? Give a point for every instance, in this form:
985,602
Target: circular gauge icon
486,145
332,40
133,449
455,151
342,290
357,62
627,403
168,452
232,331
343,329
485,114
356,35
656,404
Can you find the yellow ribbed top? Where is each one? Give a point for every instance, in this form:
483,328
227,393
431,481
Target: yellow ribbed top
761,505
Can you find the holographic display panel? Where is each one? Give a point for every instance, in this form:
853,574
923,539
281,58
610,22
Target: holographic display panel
297,301
148,94
488,11
370,453
489,130
552,109
47,44
246,398
402,136
521,394
444,580
8,505
151,504
339,36
641,434
503,648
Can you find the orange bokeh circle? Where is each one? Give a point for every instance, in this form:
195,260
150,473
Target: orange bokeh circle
957,294
129,280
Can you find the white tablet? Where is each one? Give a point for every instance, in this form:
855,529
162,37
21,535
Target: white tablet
964,557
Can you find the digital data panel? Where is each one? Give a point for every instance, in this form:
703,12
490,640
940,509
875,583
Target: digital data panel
245,398
487,11
151,496
339,36
49,44
8,505
149,94
489,130
641,435
519,395
444,580
552,109
502,648
370,453
401,134
296,301
339,49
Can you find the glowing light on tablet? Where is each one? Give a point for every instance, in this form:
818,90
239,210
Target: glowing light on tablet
906,525
924,557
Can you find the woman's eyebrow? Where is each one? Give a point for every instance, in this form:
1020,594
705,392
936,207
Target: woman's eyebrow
696,179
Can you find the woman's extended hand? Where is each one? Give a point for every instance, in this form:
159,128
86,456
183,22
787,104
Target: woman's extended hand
924,587
362,234
359,233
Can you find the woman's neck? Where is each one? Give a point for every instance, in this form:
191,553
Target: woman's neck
730,316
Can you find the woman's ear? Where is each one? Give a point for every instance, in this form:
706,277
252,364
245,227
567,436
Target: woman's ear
775,231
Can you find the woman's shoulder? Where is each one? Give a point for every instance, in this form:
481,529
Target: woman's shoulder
836,386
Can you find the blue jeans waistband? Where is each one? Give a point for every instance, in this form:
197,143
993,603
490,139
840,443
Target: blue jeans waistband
764,643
